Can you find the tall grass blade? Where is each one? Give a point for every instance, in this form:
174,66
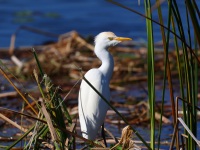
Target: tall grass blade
151,76
166,66
196,8
188,73
193,17
186,61
38,63
20,139
164,80
193,75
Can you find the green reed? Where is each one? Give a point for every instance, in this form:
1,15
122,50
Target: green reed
186,59
151,71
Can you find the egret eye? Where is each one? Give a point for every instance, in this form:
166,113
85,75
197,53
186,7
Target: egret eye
110,38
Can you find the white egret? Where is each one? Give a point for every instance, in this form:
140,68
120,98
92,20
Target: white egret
92,109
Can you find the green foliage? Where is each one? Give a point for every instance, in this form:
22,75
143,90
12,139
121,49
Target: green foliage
56,109
186,59
151,76
52,118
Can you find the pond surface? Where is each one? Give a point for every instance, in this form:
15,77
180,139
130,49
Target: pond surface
88,17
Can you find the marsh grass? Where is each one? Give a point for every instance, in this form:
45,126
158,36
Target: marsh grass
150,72
186,59
53,127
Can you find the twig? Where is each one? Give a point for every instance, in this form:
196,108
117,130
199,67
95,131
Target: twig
16,61
18,91
6,94
12,122
49,122
189,131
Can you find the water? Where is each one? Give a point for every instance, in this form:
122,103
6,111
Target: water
88,17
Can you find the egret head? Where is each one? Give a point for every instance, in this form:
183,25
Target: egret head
107,39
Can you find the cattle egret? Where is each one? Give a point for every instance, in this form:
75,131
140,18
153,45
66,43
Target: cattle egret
92,109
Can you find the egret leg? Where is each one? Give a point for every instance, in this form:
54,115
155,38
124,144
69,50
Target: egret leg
103,134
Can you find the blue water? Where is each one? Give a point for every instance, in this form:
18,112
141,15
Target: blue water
88,17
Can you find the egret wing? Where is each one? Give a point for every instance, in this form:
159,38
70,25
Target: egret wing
92,109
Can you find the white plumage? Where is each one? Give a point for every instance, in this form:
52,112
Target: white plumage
92,109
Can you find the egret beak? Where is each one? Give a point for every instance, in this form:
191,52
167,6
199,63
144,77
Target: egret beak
122,39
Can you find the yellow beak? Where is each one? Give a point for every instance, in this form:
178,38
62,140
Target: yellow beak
122,39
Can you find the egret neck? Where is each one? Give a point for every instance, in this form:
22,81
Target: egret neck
106,58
